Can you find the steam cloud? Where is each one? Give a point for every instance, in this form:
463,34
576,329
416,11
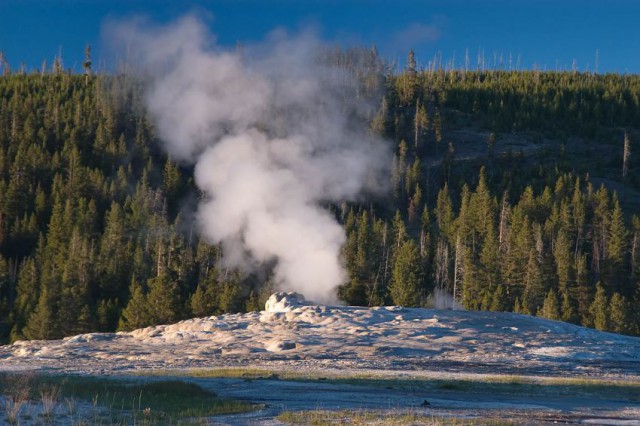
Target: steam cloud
274,136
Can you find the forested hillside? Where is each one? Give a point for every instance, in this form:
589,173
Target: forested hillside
514,191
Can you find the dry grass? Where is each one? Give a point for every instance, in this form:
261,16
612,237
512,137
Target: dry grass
108,401
12,408
285,374
72,405
378,418
49,397
16,396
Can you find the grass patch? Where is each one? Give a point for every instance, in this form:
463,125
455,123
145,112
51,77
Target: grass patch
233,373
495,384
161,401
454,385
371,417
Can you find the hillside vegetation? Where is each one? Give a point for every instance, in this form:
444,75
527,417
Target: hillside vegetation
512,191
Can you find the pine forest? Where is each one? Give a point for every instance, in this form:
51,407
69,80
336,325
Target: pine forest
509,191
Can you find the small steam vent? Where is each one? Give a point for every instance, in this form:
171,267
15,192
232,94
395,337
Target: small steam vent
285,302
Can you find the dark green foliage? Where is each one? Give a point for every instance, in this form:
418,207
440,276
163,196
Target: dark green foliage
615,267
406,287
563,101
231,293
367,254
41,323
499,299
567,310
5,292
136,314
550,308
204,301
560,238
599,310
91,237
163,302
620,315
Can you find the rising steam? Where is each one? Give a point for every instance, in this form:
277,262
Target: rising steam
274,135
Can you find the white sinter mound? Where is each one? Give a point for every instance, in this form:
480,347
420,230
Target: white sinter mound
291,333
285,302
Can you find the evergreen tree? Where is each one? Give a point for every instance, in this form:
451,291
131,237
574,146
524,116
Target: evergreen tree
550,308
626,154
420,124
41,323
499,299
616,249
567,310
599,310
490,261
399,230
28,288
563,257
518,308
517,254
406,288
136,314
444,214
231,293
584,288
414,204
114,257
204,301
620,315
107,314
5,295
533,296
600,226
360,256
87,201
163,300
172,184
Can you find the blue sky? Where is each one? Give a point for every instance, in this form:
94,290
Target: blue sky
549,34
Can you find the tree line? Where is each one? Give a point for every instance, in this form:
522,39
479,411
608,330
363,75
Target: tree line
96,233
564,254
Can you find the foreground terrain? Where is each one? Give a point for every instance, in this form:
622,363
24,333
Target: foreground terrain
435,362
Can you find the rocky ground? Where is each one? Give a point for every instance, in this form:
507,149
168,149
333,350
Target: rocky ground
293,334
390,342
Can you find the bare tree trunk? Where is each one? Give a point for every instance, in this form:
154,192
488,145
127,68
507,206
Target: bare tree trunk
442,265
457,269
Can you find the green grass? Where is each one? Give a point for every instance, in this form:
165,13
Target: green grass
496,384
155,401
236,373
372,417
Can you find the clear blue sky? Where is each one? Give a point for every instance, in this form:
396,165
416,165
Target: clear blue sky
547,33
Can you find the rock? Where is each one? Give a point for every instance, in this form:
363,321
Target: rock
90,337
285,302
277,345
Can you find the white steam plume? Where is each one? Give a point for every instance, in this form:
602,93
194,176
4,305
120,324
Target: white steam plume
273,133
